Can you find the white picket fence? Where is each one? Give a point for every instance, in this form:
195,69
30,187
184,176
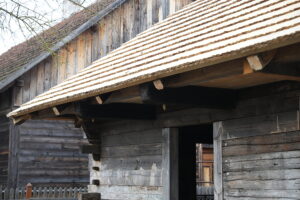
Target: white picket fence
42,193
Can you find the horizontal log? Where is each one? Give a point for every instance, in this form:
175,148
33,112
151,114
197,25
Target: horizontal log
203,97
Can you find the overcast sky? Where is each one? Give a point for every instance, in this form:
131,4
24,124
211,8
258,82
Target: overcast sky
52,9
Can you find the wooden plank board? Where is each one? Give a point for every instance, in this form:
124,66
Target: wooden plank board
132,150
144,137
54,69
170,165
40,78
131,163
47,75
129,192
33,83
265,194
71,67
80,52
62,63
262,144
133,177
218,160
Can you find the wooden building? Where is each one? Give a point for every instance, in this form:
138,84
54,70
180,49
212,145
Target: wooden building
221,73
29,69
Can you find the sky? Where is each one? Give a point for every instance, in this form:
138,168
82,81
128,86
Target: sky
54,10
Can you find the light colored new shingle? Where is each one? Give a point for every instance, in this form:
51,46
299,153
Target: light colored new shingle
201,34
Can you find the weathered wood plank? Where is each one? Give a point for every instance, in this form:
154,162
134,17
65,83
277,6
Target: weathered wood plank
170,165
131,163
33,82
80,52
132,150
263,184
262,144
265,164
62,63
218,167
47,75
261,125
40,78
257,194
261,175
129,192
144,137
138,177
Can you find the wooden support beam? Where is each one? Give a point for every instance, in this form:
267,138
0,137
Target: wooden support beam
99,100
260,61
288,69
190,95
20,120
255,62
114,111
158,84
56,111
59,110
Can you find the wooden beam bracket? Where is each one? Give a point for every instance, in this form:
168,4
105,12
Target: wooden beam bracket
20,120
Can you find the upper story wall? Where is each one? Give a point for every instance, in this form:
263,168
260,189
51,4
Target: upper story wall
121,25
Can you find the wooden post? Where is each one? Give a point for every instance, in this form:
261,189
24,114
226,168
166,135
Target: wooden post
218,173
170,164
28,191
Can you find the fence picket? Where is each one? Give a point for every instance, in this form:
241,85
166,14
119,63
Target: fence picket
41,193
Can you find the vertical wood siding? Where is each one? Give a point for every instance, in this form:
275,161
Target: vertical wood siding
49,154
4,149
123,24
131,162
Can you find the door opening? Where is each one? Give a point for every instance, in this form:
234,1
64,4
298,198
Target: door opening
195,166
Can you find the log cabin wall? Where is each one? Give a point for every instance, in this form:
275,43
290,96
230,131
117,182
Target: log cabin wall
4,149
4,136
131,162
123,24
260,148
49,154
261,157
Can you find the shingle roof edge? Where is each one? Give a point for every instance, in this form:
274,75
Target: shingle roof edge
6,82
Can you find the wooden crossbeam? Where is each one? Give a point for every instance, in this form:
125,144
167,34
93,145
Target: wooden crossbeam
190,95
20,120
115,111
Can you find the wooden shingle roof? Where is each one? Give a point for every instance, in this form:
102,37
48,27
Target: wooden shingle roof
203,33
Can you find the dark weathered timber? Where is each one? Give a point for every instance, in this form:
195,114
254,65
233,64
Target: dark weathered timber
262,144
13,163
89,196
115,111
189,95
170,163
4,149
289,69
49,154
90,149
95,150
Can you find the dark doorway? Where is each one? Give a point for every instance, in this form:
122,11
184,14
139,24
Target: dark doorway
189,138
